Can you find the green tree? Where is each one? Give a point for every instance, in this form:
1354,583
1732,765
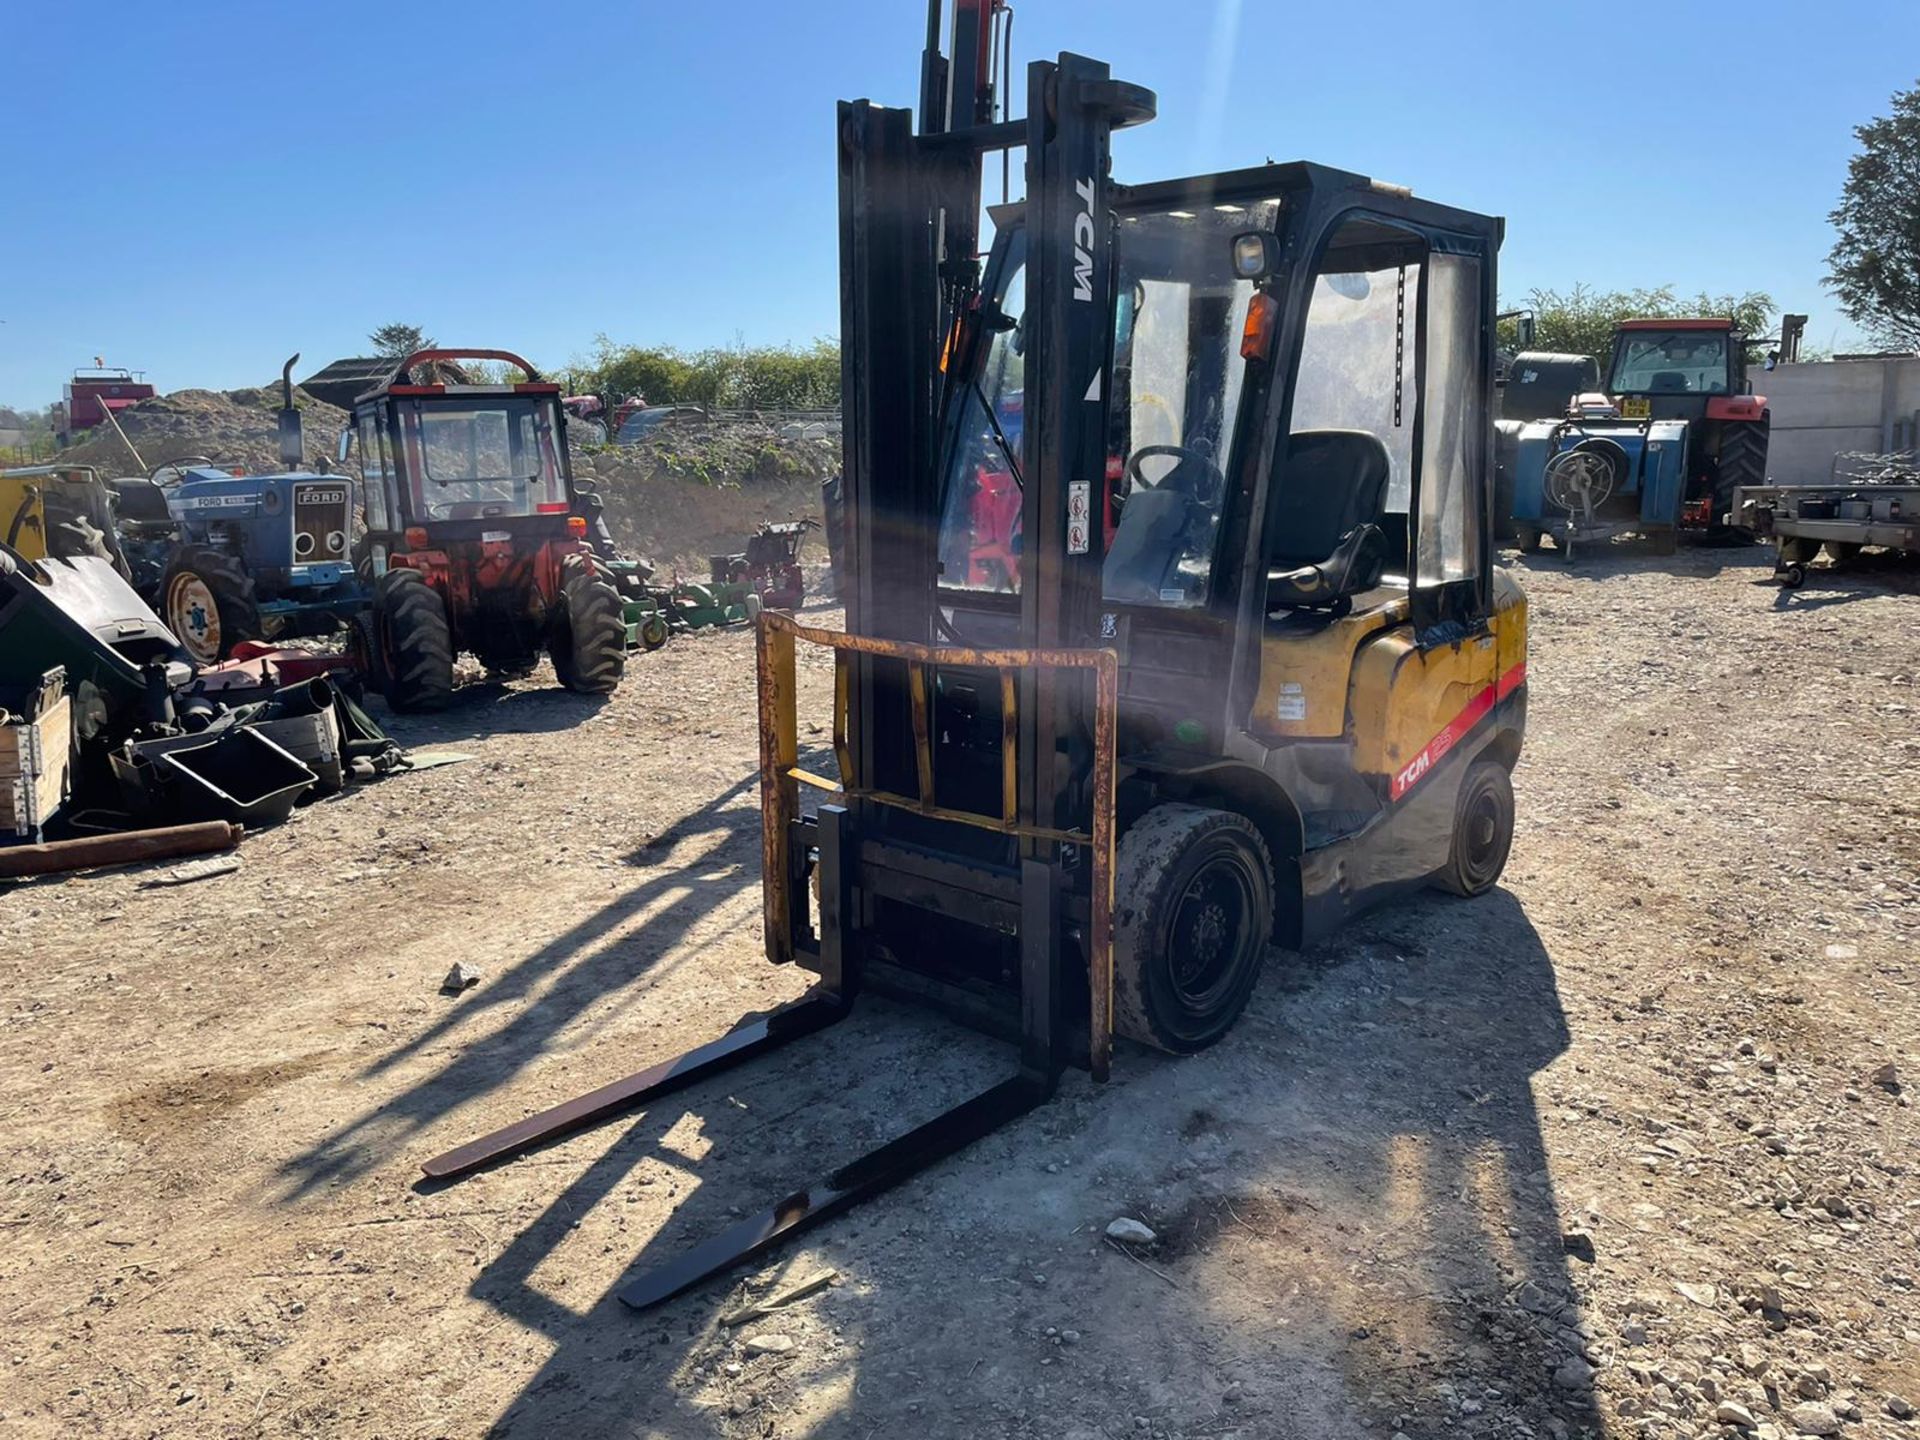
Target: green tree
1874,267
739,377
397,341
1581,321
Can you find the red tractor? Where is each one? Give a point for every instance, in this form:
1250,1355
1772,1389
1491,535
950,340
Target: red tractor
477,537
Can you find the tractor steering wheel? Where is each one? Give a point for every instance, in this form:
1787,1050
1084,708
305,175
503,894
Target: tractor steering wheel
1215,481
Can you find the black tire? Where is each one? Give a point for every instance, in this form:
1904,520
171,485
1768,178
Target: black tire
652,631
413,642
194,576
1482,831
1743,462
1792,575
589,640
1842,552
1192,916
1528,538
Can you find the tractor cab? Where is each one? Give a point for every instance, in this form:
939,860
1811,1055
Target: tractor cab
477,537
1670,368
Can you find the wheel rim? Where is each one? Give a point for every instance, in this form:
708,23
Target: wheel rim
1209,934
193,616
1480,830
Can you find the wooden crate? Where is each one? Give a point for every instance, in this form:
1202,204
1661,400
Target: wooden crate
36,764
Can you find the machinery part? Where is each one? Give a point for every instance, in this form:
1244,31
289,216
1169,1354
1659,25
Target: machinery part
1791,575
172,470
589,639
755,1037
1798,549
363,651
413,642
652,631
1528,537
130,848
1482,831
207,600
1743,465
1842,552
1579,481
1191,927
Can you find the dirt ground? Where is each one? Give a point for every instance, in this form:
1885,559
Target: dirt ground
1611,1151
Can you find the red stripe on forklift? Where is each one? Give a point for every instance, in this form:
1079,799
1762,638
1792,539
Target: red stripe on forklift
1476,710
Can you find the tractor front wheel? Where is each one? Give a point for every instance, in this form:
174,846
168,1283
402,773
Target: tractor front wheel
206,598
1193,912
413,642
589,641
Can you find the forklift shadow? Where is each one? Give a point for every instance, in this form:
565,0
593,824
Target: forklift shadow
546,993
1357,1227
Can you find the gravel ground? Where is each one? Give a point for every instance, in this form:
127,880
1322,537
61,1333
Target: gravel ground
1624,1148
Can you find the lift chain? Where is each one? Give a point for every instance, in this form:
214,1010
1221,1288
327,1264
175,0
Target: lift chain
1399,342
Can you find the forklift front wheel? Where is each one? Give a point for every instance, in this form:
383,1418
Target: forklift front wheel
1194,909
1482,830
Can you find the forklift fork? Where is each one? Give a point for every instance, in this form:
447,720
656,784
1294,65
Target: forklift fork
839,962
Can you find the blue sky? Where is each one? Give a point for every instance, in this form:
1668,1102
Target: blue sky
198,189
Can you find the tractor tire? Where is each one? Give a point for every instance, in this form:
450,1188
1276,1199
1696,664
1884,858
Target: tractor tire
1482,831
206,600
1190,926
1743,462
413,643
589,641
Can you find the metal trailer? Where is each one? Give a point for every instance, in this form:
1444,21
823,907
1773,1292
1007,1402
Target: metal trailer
1800,519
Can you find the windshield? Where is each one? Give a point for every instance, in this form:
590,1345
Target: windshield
483,458
1176,391
1670,362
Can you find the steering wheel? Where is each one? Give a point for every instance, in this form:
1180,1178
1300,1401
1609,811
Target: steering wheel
179,467
1216,482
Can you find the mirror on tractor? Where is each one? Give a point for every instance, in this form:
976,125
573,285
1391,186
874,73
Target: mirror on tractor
1256,254
292,444
343,447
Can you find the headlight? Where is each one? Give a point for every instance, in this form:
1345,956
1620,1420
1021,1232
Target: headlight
303,544
336,543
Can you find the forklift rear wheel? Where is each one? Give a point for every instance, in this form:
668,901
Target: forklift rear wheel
206,598
589,640
1190,931
413,642
1482,830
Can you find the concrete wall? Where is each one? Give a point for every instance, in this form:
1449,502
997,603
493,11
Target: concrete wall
1824,408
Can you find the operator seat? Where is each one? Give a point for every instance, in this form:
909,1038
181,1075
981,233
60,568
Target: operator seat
1669,382
1325,544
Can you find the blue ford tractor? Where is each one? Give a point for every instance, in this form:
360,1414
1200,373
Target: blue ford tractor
253,557
1659,454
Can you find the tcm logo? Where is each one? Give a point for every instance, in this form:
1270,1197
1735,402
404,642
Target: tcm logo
1421,764
1083,242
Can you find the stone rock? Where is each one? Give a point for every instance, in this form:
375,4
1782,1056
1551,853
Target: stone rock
1808,1387
769,1345
1573,1374
1701,1294
1887,1077
1129,1231
1899,1408
1727,1412
1750,1359
1814,1420
460,977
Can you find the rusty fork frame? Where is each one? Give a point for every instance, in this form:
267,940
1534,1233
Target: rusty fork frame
839,962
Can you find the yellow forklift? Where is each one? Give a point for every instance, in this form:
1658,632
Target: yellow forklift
1172,628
